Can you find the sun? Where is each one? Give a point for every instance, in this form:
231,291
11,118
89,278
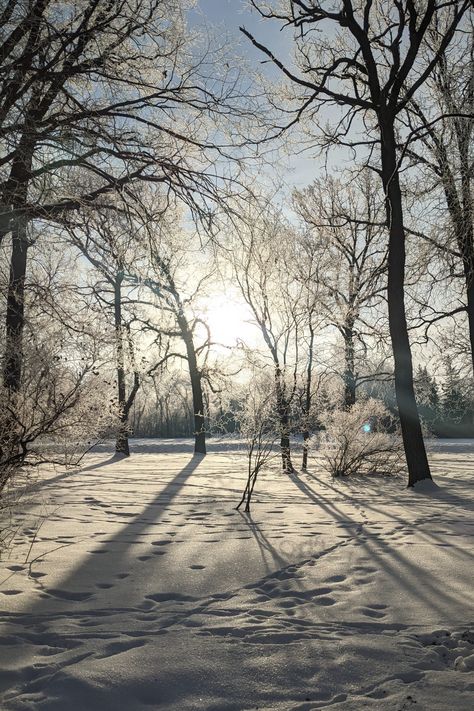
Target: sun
230,321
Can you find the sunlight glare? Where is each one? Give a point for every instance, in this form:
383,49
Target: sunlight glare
230,321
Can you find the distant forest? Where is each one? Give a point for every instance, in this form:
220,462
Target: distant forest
446,408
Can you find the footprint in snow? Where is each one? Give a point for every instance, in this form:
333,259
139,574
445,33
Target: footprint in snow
69,594
11,592
370,612
364,569
115,648
326,601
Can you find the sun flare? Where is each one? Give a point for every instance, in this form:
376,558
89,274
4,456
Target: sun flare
229,321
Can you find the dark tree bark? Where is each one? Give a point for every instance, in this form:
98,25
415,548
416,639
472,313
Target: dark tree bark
15,193
349,359
307,398
415,452
349,75
283,410
124,403
196,385
15,316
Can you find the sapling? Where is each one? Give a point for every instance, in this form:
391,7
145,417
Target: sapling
259,428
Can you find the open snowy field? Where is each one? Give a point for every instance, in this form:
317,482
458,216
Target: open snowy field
145,589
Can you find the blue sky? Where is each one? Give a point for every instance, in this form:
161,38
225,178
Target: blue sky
233,13
227,16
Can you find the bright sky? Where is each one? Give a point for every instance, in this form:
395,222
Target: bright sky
230,320
227,16
228,316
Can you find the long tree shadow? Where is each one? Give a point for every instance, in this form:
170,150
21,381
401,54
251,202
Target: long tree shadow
117,546
262,541
75,471
402,571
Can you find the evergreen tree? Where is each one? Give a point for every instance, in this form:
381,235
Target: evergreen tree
428,398
457,404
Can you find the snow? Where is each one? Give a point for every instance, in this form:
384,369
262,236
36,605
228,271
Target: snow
145,589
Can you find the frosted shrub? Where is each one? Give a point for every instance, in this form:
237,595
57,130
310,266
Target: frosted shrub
362,440
56,416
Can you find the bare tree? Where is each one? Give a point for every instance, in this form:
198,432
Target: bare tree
441,124
95,97
307,267
64,404
174,292
107,241
348,233
369,61
264,276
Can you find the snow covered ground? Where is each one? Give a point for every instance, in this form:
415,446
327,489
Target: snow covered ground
145,589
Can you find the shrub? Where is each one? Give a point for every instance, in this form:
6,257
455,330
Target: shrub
361,440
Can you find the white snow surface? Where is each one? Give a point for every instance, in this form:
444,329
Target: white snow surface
134,584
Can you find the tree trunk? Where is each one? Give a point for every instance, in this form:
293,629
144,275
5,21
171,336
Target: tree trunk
283,415
307,399
121,442
461,212
196,386
465,235
349,371
15,316
469,274
417,461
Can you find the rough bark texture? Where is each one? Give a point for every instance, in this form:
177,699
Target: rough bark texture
196,386
284,418
16,194
349,372
125,403
307,398
461,212
417,461
15,316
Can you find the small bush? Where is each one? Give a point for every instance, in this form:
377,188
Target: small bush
362,440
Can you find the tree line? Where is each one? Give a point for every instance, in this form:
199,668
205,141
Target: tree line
136,170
